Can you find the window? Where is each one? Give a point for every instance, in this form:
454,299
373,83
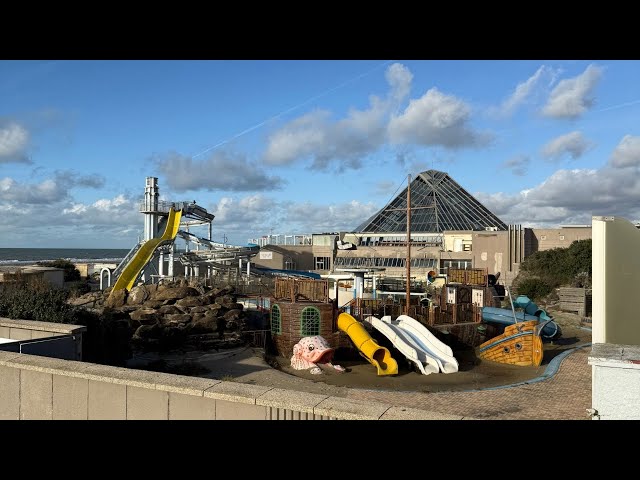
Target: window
561,237
322,263
464,264
310,322
543,237
289,264
276,324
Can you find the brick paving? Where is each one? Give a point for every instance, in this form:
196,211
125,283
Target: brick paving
565,396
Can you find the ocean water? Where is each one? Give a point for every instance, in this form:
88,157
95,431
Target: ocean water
27,256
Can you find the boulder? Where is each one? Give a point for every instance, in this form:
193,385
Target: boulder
153,303
144,316
176,293
211,314
117,298
189,302
204,325
169,309
225,300
198,309
196,316
176,318
232,315
138,295
148,331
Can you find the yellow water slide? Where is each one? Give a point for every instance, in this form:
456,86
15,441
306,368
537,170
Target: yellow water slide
145,253
378,356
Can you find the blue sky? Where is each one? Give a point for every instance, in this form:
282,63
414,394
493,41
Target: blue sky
308,146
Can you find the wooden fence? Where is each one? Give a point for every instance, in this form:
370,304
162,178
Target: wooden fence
575,300
294,289
429,315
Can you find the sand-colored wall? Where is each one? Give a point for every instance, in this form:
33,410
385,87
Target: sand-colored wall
52,389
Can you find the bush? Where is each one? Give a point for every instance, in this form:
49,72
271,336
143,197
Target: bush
534,288
71,273
35,300
559,266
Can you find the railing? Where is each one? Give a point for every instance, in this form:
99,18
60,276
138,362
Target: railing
256,338
360,308
295,289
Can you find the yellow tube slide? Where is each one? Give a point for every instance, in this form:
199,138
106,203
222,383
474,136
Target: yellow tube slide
378,356
145,252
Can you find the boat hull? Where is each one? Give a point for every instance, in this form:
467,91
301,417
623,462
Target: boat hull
520,344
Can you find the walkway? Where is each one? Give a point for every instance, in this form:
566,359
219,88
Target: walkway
565,396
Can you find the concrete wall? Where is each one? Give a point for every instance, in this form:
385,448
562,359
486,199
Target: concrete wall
52,389
616,281
28,330
490,251
615,381
302,256
454,241
548,238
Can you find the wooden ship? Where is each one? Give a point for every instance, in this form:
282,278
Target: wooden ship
519,344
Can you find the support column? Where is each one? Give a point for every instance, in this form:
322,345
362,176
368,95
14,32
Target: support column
358,284
170,266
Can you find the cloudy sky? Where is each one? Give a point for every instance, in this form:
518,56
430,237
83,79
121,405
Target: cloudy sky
308,146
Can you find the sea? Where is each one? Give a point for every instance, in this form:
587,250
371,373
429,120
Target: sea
28,256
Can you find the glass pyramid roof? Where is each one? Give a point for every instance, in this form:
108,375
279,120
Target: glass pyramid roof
438,203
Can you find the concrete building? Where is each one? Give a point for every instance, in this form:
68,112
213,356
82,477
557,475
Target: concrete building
55,276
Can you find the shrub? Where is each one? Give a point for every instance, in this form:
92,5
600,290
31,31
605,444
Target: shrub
35,300
534,288
559,266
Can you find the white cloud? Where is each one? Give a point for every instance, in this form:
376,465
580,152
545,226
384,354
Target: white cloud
524,90
627,153
436,119
256,215
49,191
13,143
570,196
343,142
221,171
572,97
328,218
573,144
518,164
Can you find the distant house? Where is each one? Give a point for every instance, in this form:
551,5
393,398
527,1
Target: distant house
55,276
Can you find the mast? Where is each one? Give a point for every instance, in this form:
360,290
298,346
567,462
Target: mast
406,306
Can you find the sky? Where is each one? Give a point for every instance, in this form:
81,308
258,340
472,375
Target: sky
300,147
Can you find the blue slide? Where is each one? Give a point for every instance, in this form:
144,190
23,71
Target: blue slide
530,311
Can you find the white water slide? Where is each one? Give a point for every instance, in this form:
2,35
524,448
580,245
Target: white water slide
417,343
406,345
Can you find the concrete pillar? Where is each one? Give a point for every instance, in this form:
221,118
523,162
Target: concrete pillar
161,265
358,284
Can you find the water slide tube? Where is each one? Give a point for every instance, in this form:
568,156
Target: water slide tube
427,342
406,345
504,316
378,356
144,254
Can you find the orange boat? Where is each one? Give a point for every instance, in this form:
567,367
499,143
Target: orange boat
520,344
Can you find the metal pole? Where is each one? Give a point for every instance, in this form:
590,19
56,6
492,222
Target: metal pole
406,307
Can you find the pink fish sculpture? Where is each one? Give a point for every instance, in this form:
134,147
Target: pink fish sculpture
310,351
